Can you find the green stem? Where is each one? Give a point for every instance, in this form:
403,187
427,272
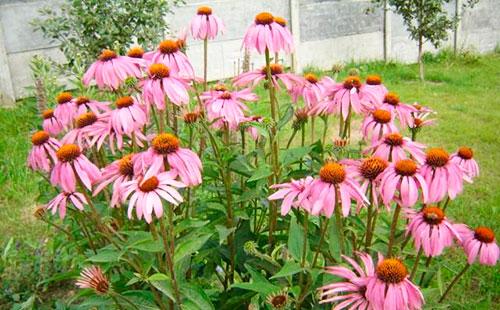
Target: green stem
321,239
392,235
338,223
205,64
291,138
427,264
313,129
229,211
455,280
169,258
369,218
325,130
415,266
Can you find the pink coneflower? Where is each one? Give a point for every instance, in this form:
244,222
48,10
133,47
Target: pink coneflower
166,146
80,133
464,159
340,98
92,277
394,147
148,193
311,90
294,194
43,153
401,110
205,25
110,70
168,53
266,33
404,177
277,74
102,131
213,93
128,116
335,188
50,123
65,110
135,52
83,104
228,108
377,124
431,230
479,243
60,202
251,130
390,288
160,83
118,172
367,172
373,92
71,161
420,117
182,40
442,175
350,293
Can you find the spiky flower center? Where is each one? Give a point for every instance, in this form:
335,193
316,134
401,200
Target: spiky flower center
417,106
418,122
124,102
82,100
433,215
391,270
373,80
372,167
391,98
102,286
165,143
204,10
311,78
64,97
264,18
39,212
220,87
381,116
394,139
278,301
68,152
352,81
275,69
406,167
225,95
135,52
280,20
149,185
437,157
190,117
107,55
86,119
484,234
301,114
465,152
49,113
40,137
168,47
332,173
159,71
125,165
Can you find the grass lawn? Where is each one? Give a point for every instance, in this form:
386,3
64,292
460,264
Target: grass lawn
463,91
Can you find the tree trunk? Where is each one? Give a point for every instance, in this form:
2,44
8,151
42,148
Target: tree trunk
420,61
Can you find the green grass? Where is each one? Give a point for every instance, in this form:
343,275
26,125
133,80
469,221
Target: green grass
464,92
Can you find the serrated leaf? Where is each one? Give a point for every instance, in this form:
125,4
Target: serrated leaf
165,287
290,268
105,256
293,155
188,246
261,172
196,295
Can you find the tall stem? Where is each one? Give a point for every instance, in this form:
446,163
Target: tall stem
313,129
325,130
427,264
229,211
294,132
394,224
455,280
205,63
321,239
169,258
274,149
368,237
415,266
339,225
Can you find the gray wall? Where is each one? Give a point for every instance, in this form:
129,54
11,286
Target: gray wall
325,32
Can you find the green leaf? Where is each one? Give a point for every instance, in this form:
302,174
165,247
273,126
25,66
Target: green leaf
293,155
148,245
259,283
188,224
158,277
190,245
333,240
262,172
105,256
224,232
286,117
296,239
196,295
165,287
290,268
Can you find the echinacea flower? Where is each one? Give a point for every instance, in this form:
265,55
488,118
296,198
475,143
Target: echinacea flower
79,134
60,202
148,193
420,117
390,288
266,34
71,161
128,116
65,110
401,110
84,104
191,117
479,243
311,90
277,74
377,124
166,146
205,25
335,188
110,70
92,277
50,123
443,176
43,153
294,194
228,108
349,293
278,300
464,159
394,147
118,172
431,230
251,130
405,178
373,92
341,98
135,52
169,54
161,83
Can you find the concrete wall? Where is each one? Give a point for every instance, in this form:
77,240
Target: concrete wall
325,32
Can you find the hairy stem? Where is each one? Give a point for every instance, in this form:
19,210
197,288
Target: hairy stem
392,235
